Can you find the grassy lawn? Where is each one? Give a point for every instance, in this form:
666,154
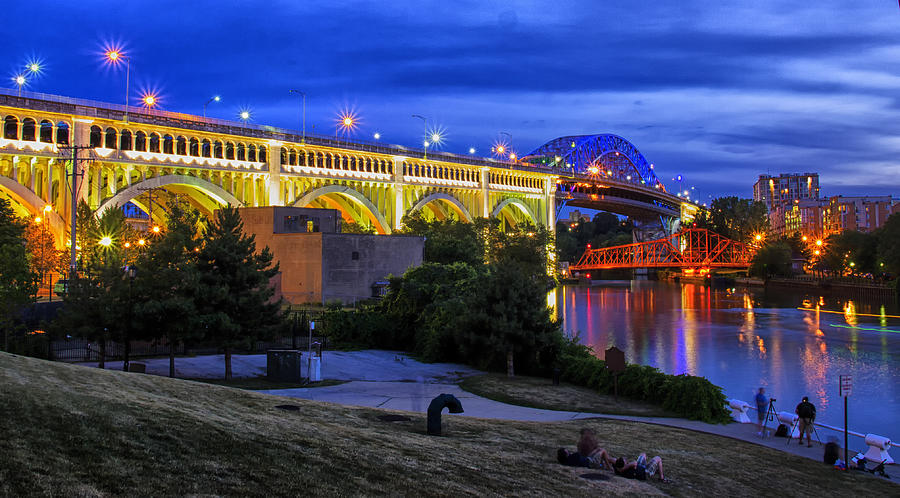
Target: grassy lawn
77,431
537,392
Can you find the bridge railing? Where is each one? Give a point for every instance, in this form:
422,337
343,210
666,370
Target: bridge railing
14,98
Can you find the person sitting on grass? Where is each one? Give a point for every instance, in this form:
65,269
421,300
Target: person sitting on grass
572,458
640,469
590,447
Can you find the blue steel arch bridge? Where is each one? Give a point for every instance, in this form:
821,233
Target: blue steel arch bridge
607,172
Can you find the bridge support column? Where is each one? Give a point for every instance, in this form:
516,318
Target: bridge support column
274,178
550,197
485,194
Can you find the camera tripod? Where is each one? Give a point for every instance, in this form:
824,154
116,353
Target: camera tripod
770,416
800,437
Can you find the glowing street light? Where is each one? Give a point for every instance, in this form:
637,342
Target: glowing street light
141,242
377,136
114,56
155,229
471,150
215,98
819,242
20,81
149,100
105,241
513,157
757,237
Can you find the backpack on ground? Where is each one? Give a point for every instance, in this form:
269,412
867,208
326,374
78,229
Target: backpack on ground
831,453
781,431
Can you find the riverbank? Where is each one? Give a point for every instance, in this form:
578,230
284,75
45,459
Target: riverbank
857,289
72,430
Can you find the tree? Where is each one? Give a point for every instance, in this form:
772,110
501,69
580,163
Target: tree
354,227
18,281
447,241
45,257
772,260
735,218
860,249
889,245
507,317
166,285
234,297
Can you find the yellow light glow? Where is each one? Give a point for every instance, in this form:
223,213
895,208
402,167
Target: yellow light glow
471,150
105,241
817,252
141,242
805,238
436,138
377,135
819,242
20,80
501,149
757,237
347,121
48,208
593,170
37,219
113,55
149,100
513,157
245,115
155,229
127,245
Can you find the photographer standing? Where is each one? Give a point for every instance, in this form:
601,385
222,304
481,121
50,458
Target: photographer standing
762,410
807,413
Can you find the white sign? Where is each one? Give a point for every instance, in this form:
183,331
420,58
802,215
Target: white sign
846,385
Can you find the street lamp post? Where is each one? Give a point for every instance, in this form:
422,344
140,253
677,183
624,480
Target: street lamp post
210,101
424,120
130,272
509,144
20,82
114,56
303,114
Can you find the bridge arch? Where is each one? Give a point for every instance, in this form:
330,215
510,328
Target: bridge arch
514,202
216,193
26,203
442,198
367,208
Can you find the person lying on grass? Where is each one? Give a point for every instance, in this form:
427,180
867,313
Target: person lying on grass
640,469
590,447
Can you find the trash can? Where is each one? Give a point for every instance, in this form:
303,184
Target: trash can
315,369
284,365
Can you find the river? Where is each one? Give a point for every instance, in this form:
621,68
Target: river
742,339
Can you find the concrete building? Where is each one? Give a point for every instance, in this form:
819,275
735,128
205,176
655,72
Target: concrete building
786,188
319,264
806,216
862,214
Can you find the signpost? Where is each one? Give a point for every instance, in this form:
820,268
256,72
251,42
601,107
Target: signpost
846,388
615,363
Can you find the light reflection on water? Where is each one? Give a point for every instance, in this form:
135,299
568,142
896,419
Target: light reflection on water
743,339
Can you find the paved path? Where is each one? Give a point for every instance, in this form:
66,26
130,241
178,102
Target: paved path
389,379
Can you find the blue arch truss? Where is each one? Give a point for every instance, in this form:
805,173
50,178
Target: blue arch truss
579,153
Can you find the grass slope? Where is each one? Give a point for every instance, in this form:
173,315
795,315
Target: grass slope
77,431
538,392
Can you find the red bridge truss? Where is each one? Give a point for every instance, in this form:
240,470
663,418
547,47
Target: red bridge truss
690,248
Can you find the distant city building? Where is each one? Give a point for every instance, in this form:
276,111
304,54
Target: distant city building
820,218
575,218
862,214
786,188
318,264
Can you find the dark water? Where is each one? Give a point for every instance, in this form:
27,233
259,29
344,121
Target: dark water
742,339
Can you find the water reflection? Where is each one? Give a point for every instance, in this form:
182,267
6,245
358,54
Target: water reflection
794,345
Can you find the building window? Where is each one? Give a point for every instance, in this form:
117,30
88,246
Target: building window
354,255
291,223
311,226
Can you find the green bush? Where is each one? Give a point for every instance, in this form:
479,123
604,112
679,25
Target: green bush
695,398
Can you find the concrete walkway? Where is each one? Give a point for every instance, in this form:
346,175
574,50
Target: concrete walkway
392,380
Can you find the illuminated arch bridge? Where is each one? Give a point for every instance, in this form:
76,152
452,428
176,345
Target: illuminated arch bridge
156,156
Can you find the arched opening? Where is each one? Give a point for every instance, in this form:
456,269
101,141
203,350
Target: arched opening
262,154
96,137
11,128
62,133
154,142
251,155
353,206
125,140
140,141
513,211
29,129
205,149
442,206
241,152
111,138
168,144
283,160
292,157
229,150
181,146
46,132
195,147
217,149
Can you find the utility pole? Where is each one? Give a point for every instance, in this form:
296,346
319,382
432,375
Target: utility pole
74,175
150,191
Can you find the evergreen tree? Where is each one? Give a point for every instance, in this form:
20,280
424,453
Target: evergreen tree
234,295
165,288
18,282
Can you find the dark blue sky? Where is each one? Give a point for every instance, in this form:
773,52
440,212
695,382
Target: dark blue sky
716,93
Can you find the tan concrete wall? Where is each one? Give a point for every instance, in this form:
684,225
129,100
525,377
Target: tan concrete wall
349,279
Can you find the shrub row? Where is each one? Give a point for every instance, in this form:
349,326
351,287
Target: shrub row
695,398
